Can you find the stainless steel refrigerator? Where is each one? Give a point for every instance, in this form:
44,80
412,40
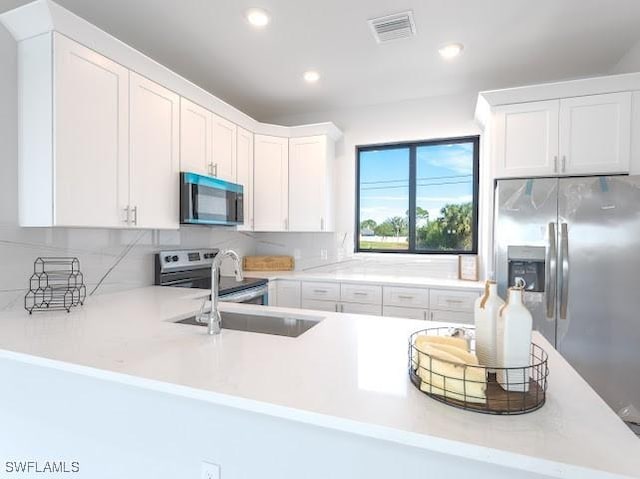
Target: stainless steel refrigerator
574,243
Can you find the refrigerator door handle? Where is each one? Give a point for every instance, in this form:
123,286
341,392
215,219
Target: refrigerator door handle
551,271
564,263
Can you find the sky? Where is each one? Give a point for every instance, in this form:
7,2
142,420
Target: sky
444,172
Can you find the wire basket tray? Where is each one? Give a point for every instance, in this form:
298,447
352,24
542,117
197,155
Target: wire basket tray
55,285
484,389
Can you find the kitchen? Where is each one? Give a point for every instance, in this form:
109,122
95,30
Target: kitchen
123,199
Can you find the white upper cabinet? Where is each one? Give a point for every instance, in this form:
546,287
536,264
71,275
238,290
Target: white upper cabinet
196,143
595,134
154,155
310,183
271,183
244,155
91,121
224,149
584,135
526,139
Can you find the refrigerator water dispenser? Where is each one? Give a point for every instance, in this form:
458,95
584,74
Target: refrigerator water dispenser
527,267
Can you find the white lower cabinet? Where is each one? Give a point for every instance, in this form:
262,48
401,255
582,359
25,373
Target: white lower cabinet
451,316
288,293
406,297
359,308
318,305
408,313
435,304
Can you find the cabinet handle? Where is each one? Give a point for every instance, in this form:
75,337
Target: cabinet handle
431,315
215,169
360,293
135,215
564,163
404,296
424,315
336,307
320,291
454,301
321,224
342,308
555,164
286,223
127,210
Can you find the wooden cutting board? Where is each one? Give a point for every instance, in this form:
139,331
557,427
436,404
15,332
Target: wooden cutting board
268,263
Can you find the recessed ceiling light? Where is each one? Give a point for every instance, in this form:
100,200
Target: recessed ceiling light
451,50
257,17
311,76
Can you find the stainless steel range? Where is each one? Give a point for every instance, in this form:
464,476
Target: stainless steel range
192,269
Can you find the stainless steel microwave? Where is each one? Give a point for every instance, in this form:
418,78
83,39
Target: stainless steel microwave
205,200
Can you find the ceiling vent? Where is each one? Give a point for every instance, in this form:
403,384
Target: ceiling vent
393,27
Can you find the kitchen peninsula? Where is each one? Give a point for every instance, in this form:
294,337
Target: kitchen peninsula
262,405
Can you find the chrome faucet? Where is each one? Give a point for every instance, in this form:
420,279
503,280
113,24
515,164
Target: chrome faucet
215,319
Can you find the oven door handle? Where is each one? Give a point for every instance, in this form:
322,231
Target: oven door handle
246,295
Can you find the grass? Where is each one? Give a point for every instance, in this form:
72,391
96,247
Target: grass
382,245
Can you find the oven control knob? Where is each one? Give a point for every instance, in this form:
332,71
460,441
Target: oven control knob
167,259
175,258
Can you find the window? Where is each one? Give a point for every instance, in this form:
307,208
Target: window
418,197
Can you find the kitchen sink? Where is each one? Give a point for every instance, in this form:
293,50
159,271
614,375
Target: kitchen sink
256,323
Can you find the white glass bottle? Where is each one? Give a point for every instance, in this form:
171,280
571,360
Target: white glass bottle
486,312
514,343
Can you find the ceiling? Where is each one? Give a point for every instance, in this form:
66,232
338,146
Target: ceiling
507,43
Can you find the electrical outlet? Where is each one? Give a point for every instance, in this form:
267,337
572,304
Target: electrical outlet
209,470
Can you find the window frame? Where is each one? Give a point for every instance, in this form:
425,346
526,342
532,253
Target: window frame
413,146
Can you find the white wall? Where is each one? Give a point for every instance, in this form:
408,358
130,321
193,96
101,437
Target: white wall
124,257
421,119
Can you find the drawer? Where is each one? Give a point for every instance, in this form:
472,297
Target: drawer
400,312
318,305
288,293
358,308
406,297
450,300
361,293
451,317
321,291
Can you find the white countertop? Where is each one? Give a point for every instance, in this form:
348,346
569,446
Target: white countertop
348,372
368,278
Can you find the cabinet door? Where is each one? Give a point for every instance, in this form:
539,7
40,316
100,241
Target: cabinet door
91,137
451,317
288,293
154,165
244,154
357,308
318,305
408,313
526,139
309,184
224,149
196,145
270,183
595,134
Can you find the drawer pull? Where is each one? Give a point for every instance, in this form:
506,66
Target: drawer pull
455,301
404,296
360,293
320,291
